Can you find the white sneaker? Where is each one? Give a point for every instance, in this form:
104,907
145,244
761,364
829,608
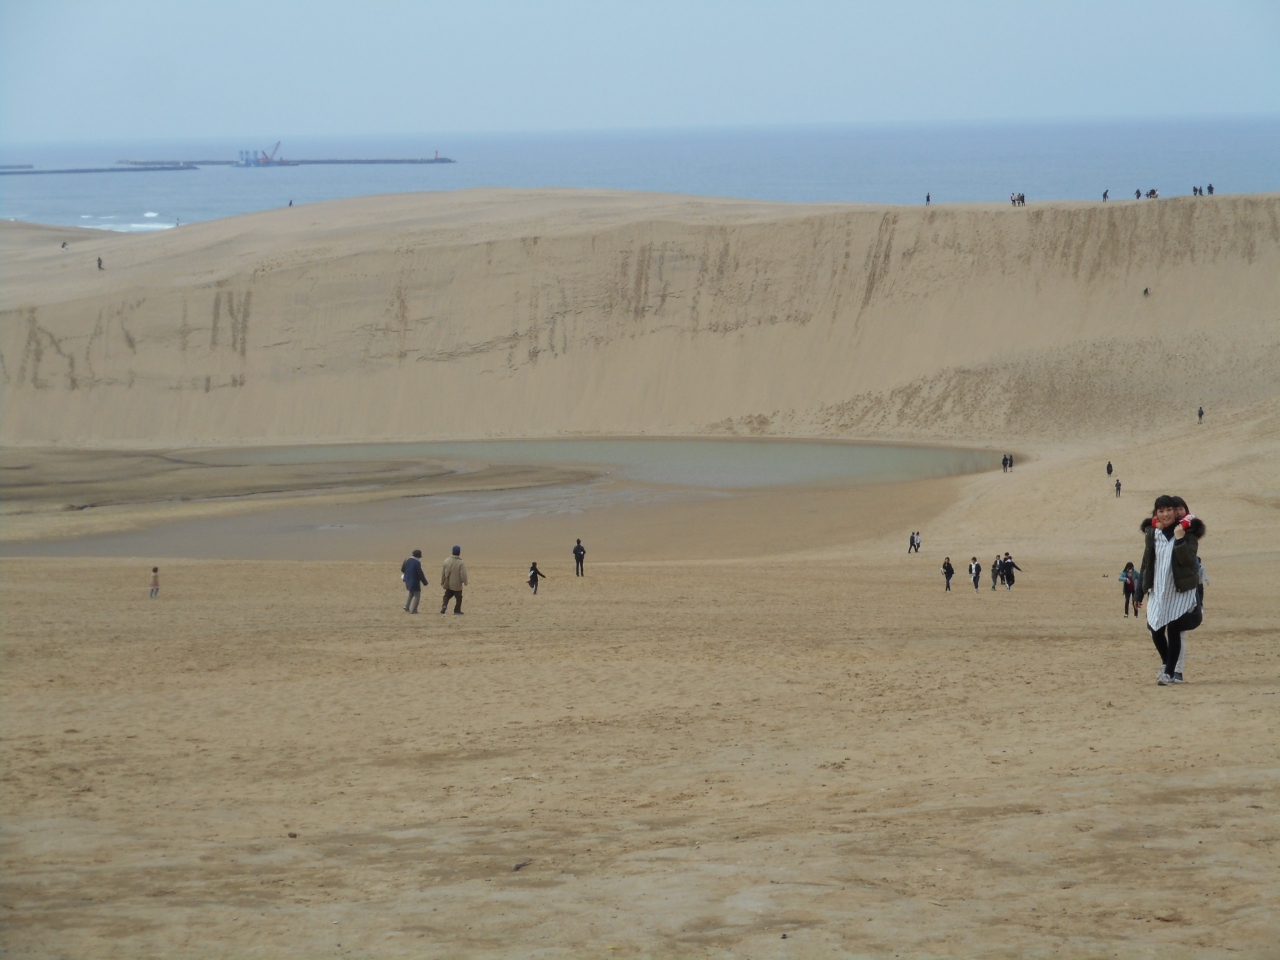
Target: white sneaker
1165,680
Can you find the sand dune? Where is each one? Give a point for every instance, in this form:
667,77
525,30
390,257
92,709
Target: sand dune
528,313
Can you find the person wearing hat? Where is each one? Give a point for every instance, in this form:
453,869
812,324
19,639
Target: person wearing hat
453,577
413,577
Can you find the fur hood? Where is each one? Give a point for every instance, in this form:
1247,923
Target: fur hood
1196,529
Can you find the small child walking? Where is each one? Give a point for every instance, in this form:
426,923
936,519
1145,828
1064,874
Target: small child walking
155,582
534,574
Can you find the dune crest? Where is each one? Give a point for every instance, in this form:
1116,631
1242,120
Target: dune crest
501,313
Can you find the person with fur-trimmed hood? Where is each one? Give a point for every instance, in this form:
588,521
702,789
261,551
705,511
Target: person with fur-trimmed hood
1170,576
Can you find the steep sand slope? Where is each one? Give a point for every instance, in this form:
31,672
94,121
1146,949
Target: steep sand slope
519,313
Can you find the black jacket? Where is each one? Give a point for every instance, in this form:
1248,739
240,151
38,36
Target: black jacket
1186,576
411,570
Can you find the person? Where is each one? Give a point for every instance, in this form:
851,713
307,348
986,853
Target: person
579,553
1007,566
1011,463
1171,575
948,571
1200,415
1108,468
1117,488
1128,581
534,574
1004,464
1137,194
1146,291
414,579
291,203
155,582
911,541
927,198
919,540
99,263
1211,189
64,244
453,577
1105,193
996,567
975,572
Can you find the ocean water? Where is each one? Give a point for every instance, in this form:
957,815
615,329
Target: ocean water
868,164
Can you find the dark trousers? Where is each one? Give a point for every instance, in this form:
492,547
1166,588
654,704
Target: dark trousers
411,604
577,567
1128,598
457,600
1168,639
976,578
948,584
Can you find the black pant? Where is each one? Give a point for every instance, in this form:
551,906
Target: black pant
948,583
976,578
457,602
577,567
1168,639
1128,598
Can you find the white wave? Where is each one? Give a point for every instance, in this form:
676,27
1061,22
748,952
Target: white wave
86,216
149,214
135,227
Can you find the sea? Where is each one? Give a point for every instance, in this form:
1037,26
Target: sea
896,164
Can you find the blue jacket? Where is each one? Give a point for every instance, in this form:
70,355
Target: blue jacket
411,571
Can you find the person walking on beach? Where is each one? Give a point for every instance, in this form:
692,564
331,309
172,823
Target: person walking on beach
948,571
975,572
1171,574
1108,468
919,540
927,198
579,554
1211,189
453,577
1117,488
1128,583
1200,415
1007,566
1105,193
414,580
99,263
996,567
534,574
155,582
1010,458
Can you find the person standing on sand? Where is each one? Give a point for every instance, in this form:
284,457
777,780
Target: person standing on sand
579,554
1108,468
1007,566
1105,193
99,263
927,198
414,580
1200,415
975,572
1171,575
1117,488
453,577
1128,582
948,571
534,574
155,582
995,571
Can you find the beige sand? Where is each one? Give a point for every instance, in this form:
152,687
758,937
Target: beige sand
510,313
774,722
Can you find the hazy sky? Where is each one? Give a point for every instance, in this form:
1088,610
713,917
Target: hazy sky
131,69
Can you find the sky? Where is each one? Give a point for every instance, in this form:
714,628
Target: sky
72,70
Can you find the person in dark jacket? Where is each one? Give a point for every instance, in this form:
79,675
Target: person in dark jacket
1171,578
413,577
996,567
579,554
975,572
534,574
948,571
1007,566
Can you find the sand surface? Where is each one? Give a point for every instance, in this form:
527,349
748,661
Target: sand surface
757,715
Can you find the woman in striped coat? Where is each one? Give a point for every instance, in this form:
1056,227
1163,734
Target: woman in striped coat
1170,577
